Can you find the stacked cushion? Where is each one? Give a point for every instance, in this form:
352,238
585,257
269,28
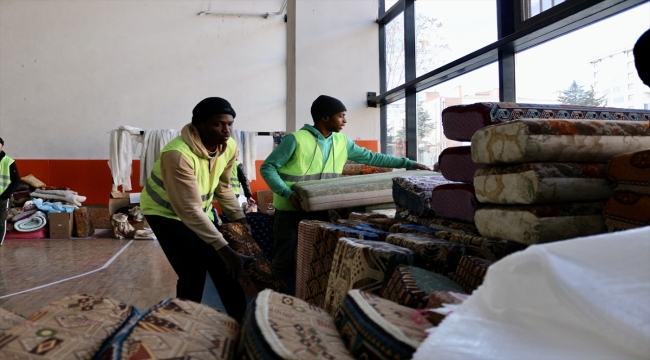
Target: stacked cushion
260,273
455,201
552,140
414,193
627,210
375,328
470,272
460,122
317,241
177,329
439,256
630,172
411,286
279,326
486,248
412,228
456,164
531,224
362,264
73,327
542,183
349,191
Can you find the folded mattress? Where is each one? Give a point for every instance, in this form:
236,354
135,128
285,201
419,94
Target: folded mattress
414,193
349,191
630,172
553,140
456,164
455,201
411,286
486,248
627,210
431,253
460,122
542,183
532,224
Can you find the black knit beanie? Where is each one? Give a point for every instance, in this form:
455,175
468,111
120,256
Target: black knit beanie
325,106
642,58
209,107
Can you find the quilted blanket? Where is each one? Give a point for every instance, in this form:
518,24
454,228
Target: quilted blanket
411,286
627,210
530,224
279,326
455,201
414,193
437,255
317,241
630,172
362,264
375,328
460,122
349,191
456,164
552,140
542,183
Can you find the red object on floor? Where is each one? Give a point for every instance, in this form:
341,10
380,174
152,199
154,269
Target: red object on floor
36,234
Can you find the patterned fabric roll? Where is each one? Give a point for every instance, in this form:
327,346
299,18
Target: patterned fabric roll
552,140
470,272
630,172
438,299
414,193
456,164
71,328
411,286
9,320
627,210
83,227
375,328
365,216
531,224
260,274
363,169
412,228
316,244
460,122
362,264
177,329
486,248
439,256
455,201
279,326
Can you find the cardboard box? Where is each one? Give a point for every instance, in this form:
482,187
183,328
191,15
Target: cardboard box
264,198
61,225
120,200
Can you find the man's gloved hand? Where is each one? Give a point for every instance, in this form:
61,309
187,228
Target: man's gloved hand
421,167
235,262
295,201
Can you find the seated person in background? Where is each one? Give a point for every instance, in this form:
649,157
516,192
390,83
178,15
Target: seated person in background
312,153
642,57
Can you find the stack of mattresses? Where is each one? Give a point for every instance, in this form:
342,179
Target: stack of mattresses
629,207
556,190
470,272
431,253
411,286
349,191
362,264
260,273
365,216
376,328
317,241
413,193
176,329
74,327
412,228
352,168
485,248
369,228
439,223
278,326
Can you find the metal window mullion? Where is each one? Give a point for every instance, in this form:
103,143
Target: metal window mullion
506,23
383,113
410,74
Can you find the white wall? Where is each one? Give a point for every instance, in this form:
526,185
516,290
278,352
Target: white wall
70,71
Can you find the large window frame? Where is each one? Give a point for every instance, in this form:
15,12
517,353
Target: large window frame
515,34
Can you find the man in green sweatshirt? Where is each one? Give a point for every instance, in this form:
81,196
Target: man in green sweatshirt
312,153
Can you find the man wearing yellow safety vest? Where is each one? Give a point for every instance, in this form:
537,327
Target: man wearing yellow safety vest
312,153
9,181
239,180
177,202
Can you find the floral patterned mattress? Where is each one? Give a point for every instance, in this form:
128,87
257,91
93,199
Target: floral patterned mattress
552,140
414,192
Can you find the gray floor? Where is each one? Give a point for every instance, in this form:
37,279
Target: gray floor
211,296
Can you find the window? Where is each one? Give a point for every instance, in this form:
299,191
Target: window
396,134
630,86
395,52
618,100
534,7
450,29
596,74
630,97
630,65
630,76
646,106
617,89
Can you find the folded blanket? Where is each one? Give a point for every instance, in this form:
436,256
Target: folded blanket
63,195
630,172
460,122
456,164
530,224
34,222
542,183
627,210
552,140
414,193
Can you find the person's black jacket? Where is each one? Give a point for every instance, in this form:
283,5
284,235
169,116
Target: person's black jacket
243,179
15,179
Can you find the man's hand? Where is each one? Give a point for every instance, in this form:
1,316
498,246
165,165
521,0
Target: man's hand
295,201
244,222
251,200
421,167
235,262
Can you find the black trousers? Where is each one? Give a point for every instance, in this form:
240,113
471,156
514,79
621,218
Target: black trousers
191,257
